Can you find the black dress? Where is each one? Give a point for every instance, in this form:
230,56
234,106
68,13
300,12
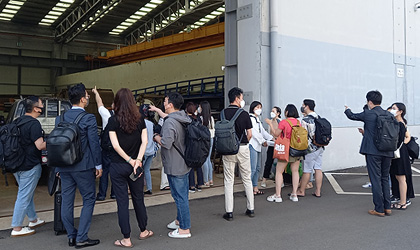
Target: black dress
402,166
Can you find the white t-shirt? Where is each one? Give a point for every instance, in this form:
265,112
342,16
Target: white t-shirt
105,115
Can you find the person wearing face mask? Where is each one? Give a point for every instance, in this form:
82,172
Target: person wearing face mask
191,109
243,129
377,162
275,116
29,172
205,114
259,139
82,174
401,177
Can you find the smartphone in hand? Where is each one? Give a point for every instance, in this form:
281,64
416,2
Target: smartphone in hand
135,176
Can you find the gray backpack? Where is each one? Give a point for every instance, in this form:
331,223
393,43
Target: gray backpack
226,141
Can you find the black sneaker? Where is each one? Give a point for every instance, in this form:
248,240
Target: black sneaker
87,243
250,213
148,192
394,199
228,216
408,202
192,190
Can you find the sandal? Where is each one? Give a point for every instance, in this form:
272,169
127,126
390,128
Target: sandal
118,243
259,192
149,234
399,206
165,188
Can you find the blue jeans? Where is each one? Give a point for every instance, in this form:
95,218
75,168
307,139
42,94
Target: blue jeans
103,181
24,205
207,167
179,191
147,163
255,158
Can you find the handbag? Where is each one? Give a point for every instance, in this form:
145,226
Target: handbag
413,148
281,148
397,154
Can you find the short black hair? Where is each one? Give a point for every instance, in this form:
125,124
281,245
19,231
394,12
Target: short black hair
310,103
30,103
375,97
278,110
176,99
233,93
76,93
253,105
291,111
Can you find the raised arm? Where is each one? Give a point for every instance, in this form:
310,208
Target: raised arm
97,97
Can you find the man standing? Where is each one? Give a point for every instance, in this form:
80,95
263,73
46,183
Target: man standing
377,162
82,174
106,151
313,160
243,128
173,135
29,173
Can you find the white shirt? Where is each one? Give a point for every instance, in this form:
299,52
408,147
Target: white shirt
259,135
105,115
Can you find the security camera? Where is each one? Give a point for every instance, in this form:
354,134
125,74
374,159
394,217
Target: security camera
417,6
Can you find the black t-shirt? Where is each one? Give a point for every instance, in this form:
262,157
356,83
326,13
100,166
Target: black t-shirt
241,124
30,132
130,143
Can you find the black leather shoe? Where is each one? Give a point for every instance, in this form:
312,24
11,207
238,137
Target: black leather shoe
72,242
100,198
113,197
87,243
250,213
228,216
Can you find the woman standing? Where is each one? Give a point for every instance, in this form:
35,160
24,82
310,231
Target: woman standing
128,134
150,148
285,129
259,138
205,111
275,116
191,109
401,167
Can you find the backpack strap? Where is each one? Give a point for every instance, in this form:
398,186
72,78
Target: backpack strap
291,125
79,117
237,113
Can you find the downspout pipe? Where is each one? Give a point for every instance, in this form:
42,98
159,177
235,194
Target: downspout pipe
274,53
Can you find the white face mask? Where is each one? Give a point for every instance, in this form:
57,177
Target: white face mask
199,110
273,115
258,112
394,112
242,103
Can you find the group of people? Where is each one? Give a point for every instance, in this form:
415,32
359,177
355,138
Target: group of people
384,166
133,142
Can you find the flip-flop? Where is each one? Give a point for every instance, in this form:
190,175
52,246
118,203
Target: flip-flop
122,245
313,194
259,192
149,234
165,188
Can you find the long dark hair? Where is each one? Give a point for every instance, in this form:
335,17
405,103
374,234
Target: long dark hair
126,110
401,107
206,112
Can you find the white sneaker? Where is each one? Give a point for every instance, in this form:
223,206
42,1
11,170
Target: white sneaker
172,225
38,223
274,198
177,235
23,232
263,184
367,185
293,198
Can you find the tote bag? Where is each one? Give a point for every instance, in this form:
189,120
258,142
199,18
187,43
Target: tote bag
281,148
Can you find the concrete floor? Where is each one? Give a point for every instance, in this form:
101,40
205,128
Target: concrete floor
335,221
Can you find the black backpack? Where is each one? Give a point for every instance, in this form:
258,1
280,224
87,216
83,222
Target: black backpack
197,144
105,140
12,154
387,132
226,140
413,148
323,132
63,144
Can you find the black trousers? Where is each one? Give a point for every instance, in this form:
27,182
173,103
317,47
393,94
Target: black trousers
200,177
268,162
120,173
378,169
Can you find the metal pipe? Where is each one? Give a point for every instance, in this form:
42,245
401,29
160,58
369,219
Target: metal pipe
274,53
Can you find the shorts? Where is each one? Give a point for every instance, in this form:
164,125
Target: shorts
293,159
313,161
